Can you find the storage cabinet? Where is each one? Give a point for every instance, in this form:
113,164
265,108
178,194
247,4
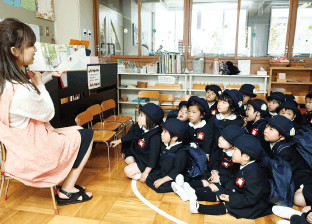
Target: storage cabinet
299,81
125,79
228,81
66,113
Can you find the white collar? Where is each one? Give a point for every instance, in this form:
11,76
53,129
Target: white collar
273,114
229,153
200,125
271,145
170,146
220,116
245,107
242,166
145,130
211,104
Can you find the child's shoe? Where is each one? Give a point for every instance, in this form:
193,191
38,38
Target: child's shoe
193,205
284,212
179,191
180,180
190,192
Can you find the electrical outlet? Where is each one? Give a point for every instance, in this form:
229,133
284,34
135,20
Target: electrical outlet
84,33
89,32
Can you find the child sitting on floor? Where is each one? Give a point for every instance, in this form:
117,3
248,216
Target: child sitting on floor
180,113
275,100
213,93
228,106
245,196
222,171
307,118
173,157
144,152
278,133
248,91
256,111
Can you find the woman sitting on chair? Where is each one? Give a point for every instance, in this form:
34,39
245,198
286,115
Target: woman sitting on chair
37,154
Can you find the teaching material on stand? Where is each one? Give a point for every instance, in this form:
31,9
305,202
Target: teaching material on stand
50,57
244,67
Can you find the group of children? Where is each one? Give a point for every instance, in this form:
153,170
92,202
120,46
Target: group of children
230,131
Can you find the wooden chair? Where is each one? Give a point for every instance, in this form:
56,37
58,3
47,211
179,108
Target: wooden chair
166,102
6,178
98,136
147,94
105,126
110,104
185,97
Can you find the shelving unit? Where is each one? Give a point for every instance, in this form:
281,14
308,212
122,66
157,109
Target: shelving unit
128,108
300,85
261,80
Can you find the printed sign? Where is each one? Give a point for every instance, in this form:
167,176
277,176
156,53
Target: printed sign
94,77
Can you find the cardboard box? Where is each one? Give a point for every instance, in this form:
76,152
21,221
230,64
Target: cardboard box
281,76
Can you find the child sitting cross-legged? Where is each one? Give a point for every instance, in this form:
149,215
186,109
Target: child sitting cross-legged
245,196
173,156
274,101
213,93
222,171
278,133
256,111
180,113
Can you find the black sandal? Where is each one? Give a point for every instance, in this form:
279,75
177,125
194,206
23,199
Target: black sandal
72,197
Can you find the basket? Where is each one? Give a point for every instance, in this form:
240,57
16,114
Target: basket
278,64
299,64
151,68
167,79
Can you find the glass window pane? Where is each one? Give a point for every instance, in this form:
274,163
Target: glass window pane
162,25
262,28
118,27
213,28
303,34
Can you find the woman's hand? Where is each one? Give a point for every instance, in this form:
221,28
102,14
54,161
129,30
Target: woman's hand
36,77
58,72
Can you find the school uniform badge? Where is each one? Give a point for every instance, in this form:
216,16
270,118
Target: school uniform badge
311,121
200,135
141,143
226,163
254,131
240,181
213,112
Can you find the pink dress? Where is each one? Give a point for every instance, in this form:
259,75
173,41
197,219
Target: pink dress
37,155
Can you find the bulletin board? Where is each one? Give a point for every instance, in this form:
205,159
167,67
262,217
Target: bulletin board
45,9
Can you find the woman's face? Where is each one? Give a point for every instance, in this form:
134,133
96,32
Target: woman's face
25,57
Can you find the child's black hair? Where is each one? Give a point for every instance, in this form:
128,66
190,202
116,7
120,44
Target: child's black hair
309,95
183,105
149,123
199,106
172,135
278,101
226,97
255,109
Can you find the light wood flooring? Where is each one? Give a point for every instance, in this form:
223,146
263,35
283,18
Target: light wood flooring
113,202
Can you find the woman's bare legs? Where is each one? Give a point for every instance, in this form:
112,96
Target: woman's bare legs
70,180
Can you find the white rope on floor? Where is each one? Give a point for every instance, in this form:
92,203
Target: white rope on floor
137,193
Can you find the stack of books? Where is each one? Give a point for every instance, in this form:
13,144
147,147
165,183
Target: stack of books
171,63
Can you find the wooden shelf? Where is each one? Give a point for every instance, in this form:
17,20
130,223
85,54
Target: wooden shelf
293,83
181,90
289,68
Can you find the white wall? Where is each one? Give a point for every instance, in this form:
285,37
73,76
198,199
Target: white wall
86,21
67,22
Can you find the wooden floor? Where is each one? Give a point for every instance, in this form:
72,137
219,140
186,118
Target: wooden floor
113,202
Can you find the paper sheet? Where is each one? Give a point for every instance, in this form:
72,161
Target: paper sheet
28,4
13,2
50,57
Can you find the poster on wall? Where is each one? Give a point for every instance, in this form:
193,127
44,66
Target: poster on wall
45,9
50,57
13,2
94,77
28,4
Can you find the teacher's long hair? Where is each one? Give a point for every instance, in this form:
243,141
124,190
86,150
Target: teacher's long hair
14,33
